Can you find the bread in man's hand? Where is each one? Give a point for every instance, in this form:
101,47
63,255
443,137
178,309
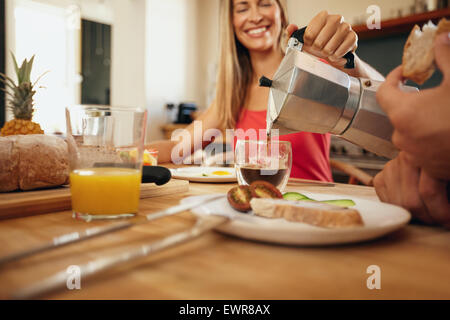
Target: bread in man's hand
309,212
418,54
33,161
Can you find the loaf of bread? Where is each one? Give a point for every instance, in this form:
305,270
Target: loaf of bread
309,212
33,161
418,54
9,164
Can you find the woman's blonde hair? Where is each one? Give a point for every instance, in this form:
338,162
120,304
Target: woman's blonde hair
235,70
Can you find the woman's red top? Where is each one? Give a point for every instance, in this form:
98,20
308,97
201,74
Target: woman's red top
310,151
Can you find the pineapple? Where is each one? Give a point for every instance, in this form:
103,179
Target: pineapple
20,101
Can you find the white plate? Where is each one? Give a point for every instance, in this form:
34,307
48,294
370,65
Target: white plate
379,220
204,174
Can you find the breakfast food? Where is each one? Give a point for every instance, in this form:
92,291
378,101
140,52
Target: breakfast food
309,212
418,55
218,173
9,165
32,161
149,157
295,196
239,198
264,189
221,173
21,101
267,201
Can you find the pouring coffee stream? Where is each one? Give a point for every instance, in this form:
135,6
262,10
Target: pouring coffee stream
309,95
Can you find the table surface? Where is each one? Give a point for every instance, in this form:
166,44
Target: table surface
414,261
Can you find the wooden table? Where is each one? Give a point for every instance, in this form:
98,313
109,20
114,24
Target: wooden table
414,261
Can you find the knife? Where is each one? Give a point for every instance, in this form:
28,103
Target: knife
90,233
59,280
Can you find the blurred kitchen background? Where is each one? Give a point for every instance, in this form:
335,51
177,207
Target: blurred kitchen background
162,54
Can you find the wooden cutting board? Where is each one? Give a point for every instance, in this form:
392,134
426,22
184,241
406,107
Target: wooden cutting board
27,203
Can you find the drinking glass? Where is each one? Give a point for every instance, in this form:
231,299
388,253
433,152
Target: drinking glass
261,160
106,146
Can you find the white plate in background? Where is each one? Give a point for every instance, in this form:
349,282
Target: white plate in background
379,219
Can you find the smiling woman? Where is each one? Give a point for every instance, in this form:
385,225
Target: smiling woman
258,29
253,36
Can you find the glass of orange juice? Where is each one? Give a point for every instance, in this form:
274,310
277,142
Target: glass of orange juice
103,183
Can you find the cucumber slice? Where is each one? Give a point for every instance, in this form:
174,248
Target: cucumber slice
341,202
295,196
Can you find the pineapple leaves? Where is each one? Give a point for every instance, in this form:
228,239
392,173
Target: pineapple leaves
16,67
39,78
7,92
27,71
24,72
21,94
7,80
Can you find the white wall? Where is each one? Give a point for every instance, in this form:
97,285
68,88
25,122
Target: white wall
172,58
10,41
128,53
53,43
62,82
208,50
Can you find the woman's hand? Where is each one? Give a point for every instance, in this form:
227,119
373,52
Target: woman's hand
329,37
404,184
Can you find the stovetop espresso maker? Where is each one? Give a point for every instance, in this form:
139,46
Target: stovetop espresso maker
309,95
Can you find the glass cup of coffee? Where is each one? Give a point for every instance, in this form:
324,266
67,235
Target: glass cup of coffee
262,160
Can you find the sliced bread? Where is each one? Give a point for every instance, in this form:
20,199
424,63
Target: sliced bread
314,213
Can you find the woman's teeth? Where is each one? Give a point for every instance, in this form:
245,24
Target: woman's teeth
256,31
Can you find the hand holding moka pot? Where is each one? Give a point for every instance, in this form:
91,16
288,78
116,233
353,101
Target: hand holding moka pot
309,95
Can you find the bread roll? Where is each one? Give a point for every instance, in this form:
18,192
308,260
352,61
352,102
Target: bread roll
32,162
9,164
309,212
418,54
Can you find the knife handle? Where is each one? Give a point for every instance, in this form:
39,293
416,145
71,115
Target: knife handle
349,56
158,175
150,174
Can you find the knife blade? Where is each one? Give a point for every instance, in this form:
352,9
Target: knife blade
59,280
90,233
310,183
